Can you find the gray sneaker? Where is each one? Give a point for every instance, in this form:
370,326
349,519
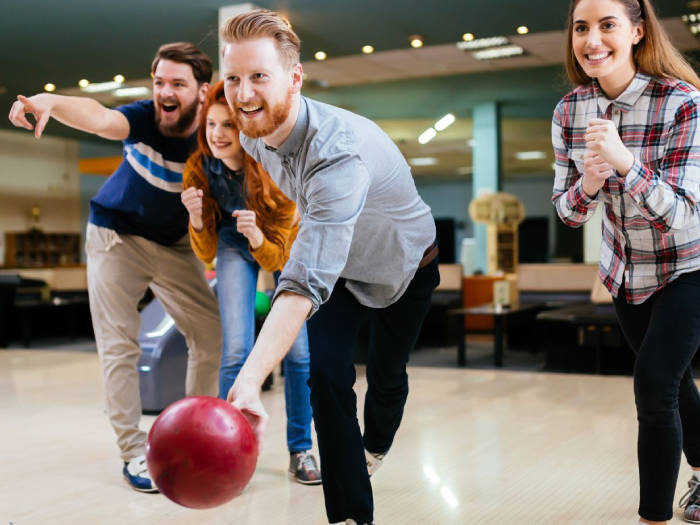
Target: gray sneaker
303,469
374,461
690,501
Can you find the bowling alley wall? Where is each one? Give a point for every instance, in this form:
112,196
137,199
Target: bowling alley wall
43,173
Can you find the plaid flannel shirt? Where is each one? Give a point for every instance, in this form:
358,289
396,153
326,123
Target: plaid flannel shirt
651,219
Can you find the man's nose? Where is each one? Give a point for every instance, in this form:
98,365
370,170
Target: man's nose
245,91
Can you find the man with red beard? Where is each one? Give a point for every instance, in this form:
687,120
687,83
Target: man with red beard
137,236
365,251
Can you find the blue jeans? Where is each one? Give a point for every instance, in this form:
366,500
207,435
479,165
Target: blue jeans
236,287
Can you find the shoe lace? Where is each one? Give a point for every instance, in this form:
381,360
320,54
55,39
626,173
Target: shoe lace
306,461
692,496
140,467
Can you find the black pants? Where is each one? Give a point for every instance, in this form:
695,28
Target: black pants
664,331
332,333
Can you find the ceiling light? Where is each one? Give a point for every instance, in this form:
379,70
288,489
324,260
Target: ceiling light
423,161
498,52
444,122
427,136
320,55
530,155
523,30
467,37
481,43
49,87
119,78
367,50
416,41
100,87
83,82
133,92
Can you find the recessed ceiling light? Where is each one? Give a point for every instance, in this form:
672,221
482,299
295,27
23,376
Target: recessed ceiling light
49,87
530,155
133,92
320,55
119,78
367,50
416,41
83,82
468,37
427,136
481,43
523,30
99,87
498,52
423,161
444,122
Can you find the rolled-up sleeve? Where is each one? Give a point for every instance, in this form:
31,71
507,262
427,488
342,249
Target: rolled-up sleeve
573,206
335,191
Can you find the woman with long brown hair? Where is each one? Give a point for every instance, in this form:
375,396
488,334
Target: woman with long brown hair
627,137
239,216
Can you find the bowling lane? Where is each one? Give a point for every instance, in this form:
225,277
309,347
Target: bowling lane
476,446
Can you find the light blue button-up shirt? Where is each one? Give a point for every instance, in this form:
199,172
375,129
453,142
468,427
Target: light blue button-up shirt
361,216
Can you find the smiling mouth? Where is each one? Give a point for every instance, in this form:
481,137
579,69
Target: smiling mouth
168,108
250,111
221,145
597,58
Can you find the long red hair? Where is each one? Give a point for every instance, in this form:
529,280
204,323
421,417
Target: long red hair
263,196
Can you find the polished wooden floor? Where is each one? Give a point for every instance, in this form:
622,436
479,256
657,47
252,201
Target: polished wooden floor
475,447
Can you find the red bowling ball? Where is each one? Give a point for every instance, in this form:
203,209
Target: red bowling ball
201,452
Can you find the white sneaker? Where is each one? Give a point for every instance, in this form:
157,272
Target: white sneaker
137,475
374,461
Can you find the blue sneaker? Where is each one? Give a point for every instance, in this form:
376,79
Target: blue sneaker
137,475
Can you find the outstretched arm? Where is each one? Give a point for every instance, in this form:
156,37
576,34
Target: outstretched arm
80,113
281,327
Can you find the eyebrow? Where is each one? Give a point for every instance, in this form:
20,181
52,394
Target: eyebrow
611,17
174,79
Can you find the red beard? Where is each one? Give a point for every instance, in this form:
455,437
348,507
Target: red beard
273,119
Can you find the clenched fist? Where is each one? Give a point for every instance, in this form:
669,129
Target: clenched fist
192,199
245,221
603,139
595,172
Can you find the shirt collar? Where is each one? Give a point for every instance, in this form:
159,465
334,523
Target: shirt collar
628,98
295,140
216,166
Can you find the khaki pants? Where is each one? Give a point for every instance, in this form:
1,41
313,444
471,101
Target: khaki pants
120,268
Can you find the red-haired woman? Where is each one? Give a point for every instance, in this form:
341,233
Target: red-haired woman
239,216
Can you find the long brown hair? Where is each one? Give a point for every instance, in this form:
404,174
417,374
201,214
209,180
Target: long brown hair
654,54
263,196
